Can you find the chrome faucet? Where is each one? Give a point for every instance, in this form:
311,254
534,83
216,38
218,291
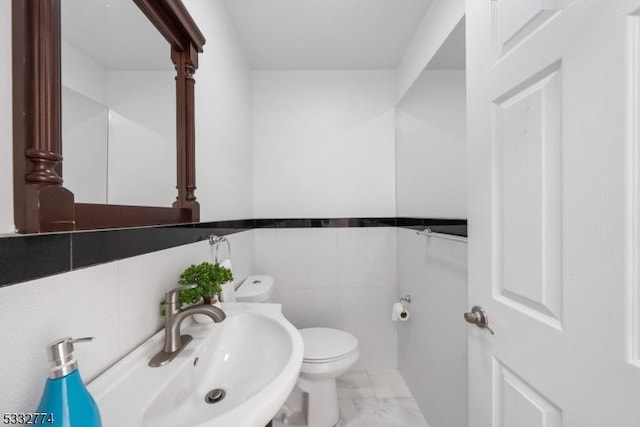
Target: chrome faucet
174,343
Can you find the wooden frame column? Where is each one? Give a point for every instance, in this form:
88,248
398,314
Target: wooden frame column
40,202
186,63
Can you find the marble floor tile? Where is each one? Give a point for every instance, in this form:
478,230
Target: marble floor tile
360,413
380,413
388,384
364,421
376,398
401,413
354,384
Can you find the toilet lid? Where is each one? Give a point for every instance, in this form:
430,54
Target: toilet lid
255,289
327,343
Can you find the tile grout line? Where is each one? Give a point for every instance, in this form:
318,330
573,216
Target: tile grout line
373,390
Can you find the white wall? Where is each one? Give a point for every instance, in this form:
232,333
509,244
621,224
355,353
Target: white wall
117,303
85,125
432,344
83,74
439,21
323,143
223,118
85,132
431,147
6,135
142,138
431,182
336,277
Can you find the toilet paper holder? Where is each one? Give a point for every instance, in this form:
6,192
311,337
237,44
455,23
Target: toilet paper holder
406,299
400,311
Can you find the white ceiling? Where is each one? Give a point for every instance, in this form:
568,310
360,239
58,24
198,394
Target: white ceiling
276,34
451,55
325,34
116,34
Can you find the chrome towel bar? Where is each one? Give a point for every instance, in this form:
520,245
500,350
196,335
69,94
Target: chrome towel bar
429,233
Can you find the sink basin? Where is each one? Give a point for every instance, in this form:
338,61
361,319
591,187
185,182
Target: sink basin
252,359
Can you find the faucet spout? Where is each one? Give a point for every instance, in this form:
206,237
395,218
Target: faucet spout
174,343
172,322
216,314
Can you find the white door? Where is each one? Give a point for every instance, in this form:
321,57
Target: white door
554,124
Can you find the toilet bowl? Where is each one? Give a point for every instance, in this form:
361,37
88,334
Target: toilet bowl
328,353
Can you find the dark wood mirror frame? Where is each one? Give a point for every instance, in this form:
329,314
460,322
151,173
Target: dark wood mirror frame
41,203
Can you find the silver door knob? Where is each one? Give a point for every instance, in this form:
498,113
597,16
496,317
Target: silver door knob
477,316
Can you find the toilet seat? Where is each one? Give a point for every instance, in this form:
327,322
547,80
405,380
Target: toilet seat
326,345
320,361
328,353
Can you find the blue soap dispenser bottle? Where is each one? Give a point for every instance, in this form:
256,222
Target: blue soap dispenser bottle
65,401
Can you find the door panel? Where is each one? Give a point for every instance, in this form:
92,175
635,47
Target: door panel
519,404
528,179
553,90
516,20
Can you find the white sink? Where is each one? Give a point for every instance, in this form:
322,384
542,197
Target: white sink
254,355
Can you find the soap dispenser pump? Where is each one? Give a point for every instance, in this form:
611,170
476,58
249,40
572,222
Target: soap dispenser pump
65,400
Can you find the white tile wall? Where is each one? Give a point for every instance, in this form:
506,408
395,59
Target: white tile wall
336,277
142,282
432,344
242,255
81,303
339,277
117,302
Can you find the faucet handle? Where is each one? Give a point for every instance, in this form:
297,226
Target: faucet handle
173,296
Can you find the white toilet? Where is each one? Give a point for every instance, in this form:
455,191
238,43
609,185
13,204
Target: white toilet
328,353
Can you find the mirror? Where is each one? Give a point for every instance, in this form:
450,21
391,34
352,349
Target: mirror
118,102
41,202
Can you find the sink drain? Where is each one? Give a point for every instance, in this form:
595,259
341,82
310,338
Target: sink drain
215,396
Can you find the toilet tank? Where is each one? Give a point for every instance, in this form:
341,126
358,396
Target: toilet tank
255,289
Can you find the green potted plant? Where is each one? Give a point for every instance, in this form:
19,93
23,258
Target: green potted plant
208,279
